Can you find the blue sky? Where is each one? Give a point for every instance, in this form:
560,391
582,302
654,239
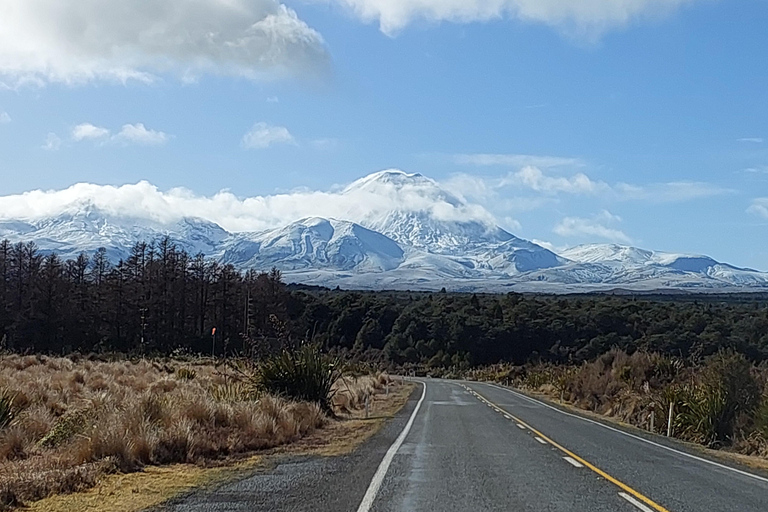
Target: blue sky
642,122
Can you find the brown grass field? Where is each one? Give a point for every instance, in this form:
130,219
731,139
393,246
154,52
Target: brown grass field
78,423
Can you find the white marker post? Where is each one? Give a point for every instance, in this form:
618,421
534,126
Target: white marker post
669,419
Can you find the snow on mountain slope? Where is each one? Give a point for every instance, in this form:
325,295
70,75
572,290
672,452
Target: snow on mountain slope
416,211
316,243
632,256
85,228
430,219
401,231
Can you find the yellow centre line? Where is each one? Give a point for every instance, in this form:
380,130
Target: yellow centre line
648,501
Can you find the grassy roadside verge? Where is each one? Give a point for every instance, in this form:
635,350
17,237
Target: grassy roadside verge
153,485
722,456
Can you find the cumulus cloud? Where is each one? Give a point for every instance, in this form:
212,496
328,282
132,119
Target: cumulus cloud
759,207
583,17
596,226
88,131
263,135
52,142
360,202
75,41
4,118
533,178
139,134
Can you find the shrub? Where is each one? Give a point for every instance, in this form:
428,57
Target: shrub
707,409
305,373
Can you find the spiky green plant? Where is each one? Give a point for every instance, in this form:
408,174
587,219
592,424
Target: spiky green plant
7,409
304,373
184,373
706,410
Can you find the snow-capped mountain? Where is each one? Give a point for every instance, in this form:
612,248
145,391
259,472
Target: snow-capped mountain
316,243
435,220
82,227
401,231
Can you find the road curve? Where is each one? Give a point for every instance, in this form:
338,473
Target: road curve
478,447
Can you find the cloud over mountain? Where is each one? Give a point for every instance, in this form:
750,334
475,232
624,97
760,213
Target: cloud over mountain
75,41
366,198
582,17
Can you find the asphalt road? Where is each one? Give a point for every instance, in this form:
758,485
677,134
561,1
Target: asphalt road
477,447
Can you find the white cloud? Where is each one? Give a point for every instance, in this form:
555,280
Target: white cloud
145,201
75,41
128,134
756,140
671,192
513,160
273,99
52,142
139,134
762,169
759,207
88,131
533,178
263,135
4,118
596,226
548,185
588,18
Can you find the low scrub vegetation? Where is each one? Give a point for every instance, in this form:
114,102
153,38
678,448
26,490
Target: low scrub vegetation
722,402
64,423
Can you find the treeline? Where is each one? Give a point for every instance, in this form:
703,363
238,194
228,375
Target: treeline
162,300
158,300
446,329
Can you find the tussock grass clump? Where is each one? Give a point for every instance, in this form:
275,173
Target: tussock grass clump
350,392
71,422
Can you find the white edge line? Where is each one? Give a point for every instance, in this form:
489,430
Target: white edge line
573,462
381,472
522,427
541,440
658,445
636,503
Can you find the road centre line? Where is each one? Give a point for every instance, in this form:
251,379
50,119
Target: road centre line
381,472
633,436
540,440
636,503
648,501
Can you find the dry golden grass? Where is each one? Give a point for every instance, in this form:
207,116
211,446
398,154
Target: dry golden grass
77,421
154,485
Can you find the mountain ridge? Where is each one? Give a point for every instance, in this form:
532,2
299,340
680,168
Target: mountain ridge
414,235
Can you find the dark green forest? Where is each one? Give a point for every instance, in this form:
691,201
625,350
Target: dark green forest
161,300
